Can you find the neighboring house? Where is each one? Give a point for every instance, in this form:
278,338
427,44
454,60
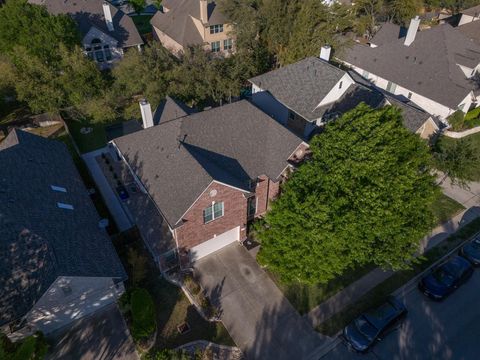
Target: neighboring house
57,263
209,173
469,24
435,69
470,15
106,30
304,96
185,23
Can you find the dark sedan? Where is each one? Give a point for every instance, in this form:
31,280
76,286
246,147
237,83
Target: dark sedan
365,330
446,278
471,251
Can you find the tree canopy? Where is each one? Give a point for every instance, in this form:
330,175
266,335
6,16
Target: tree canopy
364,197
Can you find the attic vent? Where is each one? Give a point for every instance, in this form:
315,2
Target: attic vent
64,206
58,188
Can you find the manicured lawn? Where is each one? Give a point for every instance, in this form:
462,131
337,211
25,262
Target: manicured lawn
445,208
94,140
171,306
475,140
142,22
305,297
377,295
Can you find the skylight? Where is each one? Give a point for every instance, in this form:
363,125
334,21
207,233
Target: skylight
58,188
64,206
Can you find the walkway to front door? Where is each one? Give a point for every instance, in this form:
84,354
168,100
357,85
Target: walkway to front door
259,318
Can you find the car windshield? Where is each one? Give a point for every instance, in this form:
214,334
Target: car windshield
444,277
476,244
365,328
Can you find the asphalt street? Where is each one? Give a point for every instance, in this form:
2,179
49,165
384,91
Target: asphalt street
432,330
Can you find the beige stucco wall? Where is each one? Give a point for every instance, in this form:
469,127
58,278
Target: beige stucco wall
428,129
170,44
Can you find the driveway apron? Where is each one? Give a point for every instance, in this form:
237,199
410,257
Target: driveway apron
259,318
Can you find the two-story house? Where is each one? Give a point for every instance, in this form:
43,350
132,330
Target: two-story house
304,96
105,29
211,172
184,23
58,263
435,68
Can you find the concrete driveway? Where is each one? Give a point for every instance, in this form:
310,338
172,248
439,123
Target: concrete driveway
101,336
258,317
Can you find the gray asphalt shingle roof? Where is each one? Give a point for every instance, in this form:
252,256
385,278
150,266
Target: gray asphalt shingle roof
38,240
471,30
88,13
170,109
176,160
177,23
427,67
473,11
301,86
387,33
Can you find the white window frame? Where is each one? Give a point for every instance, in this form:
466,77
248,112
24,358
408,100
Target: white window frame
102,49
227,44
212,209
216,29
216,48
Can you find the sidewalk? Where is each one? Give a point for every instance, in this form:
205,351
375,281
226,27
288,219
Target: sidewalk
469,198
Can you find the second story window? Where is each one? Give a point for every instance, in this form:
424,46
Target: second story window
227,44
215,29
215,46
213,212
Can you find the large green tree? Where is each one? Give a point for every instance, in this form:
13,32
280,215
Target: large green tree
364,197
144,74
457,158
34,29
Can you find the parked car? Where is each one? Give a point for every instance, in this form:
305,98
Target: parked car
446,278
471,251
365,330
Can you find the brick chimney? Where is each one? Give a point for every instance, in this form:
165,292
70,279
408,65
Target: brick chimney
412,31
146,110
108,16
204,11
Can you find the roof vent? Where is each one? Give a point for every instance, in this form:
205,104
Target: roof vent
64,206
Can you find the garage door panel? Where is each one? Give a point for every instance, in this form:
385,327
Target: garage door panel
216,243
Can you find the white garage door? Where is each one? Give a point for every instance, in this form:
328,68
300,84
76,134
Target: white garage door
215,243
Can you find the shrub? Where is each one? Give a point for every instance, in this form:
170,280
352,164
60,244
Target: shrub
143,314
473,114
457,120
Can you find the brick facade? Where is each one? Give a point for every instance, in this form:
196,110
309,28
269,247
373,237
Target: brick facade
194,232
